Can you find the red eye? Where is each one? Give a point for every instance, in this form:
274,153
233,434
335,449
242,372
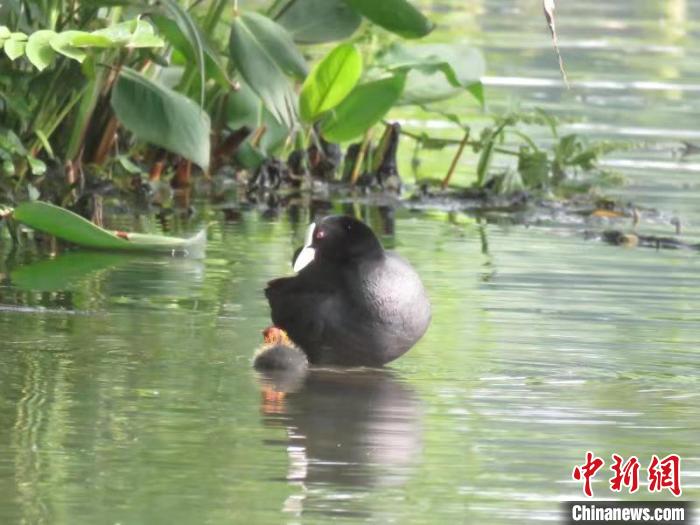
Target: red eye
320,234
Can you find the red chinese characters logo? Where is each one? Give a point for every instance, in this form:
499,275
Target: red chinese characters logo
626,474
587,471
665,474
662,473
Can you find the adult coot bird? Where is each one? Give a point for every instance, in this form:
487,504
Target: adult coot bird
352,303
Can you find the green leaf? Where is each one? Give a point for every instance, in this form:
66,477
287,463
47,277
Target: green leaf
63,43
8,167
10,142
73,228
533,166
249,156
363,108
429,58
477,91
39,50
161,116
263,52
125,33
438,71
81,39
4,34
330,81
144,36
132,33
397,16
192,35
44,142
277,43
14,45
175,37
36,166
332,20
128,165
488,139
243,108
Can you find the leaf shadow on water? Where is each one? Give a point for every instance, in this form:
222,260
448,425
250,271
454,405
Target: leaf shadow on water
347,431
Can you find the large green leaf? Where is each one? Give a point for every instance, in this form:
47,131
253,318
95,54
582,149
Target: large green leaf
397,16
363,108
264,54
161,116
39,50
332,20
437,71
330,81
73,228
173,33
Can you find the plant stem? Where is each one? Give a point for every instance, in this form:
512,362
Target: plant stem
213,16
361,157
455,160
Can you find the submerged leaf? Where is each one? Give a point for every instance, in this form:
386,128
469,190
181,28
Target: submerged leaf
397,16
362,109
330,81
157,114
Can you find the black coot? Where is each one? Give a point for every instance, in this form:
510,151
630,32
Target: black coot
352,303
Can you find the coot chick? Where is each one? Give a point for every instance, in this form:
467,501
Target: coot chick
279,353
352,303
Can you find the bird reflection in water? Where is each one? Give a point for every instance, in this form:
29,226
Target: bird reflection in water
349,432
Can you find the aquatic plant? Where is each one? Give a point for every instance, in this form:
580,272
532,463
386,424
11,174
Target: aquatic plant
170,85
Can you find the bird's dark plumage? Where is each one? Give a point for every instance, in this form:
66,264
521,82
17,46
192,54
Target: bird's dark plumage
354,304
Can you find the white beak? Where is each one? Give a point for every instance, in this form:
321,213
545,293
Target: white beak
307,253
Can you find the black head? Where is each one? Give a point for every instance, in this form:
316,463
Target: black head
339,239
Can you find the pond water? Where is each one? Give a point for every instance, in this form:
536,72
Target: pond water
127,394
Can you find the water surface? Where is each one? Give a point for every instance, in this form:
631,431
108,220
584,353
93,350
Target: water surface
126,389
